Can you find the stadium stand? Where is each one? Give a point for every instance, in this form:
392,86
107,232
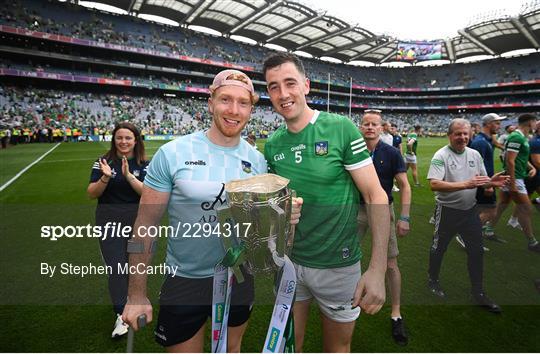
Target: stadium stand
157,76
104,28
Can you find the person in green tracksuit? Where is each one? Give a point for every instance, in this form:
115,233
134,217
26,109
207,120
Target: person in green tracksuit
327,161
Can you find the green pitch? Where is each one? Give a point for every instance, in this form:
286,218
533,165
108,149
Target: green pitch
72,314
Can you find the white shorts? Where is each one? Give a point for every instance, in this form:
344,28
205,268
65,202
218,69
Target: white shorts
332,288
410,158
520,184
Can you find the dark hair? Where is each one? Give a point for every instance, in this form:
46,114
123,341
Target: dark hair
282,58
394,125
417,127
138,150
525,117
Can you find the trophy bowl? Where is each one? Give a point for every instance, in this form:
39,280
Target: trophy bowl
259,207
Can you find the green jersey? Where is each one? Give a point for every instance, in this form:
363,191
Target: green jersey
317,160
517,142
412,137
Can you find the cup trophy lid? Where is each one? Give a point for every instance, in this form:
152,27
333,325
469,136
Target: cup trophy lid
266,183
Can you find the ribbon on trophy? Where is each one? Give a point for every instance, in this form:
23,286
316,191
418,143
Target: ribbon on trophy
264,201
280,334
221,296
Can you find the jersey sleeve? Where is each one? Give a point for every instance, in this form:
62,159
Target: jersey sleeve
355,152
514,143
144,170
96,174
436,167
411,139
158,175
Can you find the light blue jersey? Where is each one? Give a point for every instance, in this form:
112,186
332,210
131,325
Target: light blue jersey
194,171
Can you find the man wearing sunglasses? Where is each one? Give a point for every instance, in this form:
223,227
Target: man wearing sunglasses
389,165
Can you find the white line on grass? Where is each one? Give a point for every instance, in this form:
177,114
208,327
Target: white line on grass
5,185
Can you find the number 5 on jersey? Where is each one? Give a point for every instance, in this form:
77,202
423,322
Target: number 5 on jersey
298,156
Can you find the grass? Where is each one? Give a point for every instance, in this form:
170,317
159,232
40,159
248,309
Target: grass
70,314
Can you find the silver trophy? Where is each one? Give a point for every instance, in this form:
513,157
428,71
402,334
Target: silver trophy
259,210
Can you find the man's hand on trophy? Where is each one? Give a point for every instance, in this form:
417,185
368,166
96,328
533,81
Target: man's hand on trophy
296,208
370,293
295,218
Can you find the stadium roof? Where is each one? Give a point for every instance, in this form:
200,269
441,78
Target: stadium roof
298,27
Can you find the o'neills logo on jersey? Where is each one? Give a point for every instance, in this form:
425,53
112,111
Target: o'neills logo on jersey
196,163
298,148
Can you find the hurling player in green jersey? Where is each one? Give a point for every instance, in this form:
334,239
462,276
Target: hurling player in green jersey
516,164
326,158
410,155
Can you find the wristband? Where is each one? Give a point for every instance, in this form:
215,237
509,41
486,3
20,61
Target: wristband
102,181
405,218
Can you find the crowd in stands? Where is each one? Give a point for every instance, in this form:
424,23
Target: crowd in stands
156,81
35,115
72,20
96,114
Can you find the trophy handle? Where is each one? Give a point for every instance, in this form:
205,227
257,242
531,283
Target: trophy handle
280,242
290,235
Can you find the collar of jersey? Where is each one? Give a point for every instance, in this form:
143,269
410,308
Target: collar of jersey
379,144
482,134
219,147
312,121
315,116
457,152
129,158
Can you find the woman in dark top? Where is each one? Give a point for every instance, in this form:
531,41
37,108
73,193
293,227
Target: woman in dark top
117,182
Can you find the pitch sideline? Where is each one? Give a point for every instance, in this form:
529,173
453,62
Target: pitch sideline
14,178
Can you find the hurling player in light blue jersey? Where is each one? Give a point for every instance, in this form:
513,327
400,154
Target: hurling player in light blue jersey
187,176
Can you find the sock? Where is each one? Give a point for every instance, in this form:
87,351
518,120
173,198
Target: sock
396,318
